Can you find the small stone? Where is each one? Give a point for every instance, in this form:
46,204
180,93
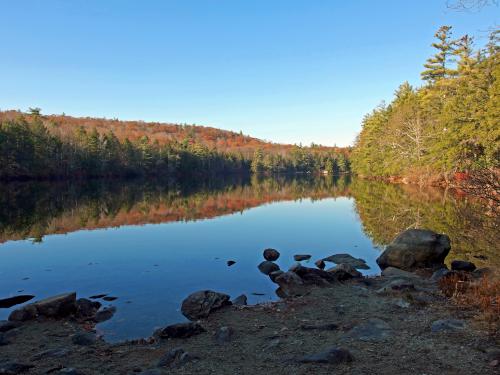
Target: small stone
301,257
373,329
230,263
494,363
109,298
402,303
84,339
175,358
266,267
181,330
331,355
240,300
320,264
462,265
271,254
447,325
224,335
97,296
105,314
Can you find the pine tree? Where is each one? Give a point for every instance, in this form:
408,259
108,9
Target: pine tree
437,66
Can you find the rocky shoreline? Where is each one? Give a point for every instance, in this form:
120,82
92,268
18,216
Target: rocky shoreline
332,320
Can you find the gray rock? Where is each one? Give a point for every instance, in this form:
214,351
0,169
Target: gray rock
347,259
396,272
301,257
84,338
105,314
440,273
396,285
314,276
331,355
224,335
266,267
23,314
447,325
51,353
181,330
290,284
5,325
273,275
175,358
373,329
344,271
240,300
14,368
320,264
53,307
271,254
462,265
86,308
200,304
416,248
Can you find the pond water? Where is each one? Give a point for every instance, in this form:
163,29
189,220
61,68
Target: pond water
150,244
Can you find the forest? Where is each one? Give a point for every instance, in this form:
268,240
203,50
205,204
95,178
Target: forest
447,129
33,146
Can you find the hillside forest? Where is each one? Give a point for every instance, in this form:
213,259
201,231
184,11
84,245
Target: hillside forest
447,129
34,146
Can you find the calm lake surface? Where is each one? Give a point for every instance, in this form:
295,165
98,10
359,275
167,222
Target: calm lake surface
150,244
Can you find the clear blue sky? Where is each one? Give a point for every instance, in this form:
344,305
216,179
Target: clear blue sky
286,71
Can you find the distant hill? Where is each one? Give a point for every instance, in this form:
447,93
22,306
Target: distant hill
221,140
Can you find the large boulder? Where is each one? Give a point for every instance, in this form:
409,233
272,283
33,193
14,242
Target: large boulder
416,248
53,307
200,304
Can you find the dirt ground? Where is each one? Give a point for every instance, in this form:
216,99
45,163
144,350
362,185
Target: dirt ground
271,338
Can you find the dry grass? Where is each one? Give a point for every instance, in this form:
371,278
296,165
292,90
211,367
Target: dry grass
482,294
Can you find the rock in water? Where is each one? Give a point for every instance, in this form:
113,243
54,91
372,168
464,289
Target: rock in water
347,259
271,254
320,264
416,248
16,300
331,355
105,314
266,267
52,307
200,304
86,308
240,300
462,265
345,271
273,275
230,263
290,284
300,257
181,330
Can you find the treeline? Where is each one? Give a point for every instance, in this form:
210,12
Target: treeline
31,148
29,151
301,160
445,129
